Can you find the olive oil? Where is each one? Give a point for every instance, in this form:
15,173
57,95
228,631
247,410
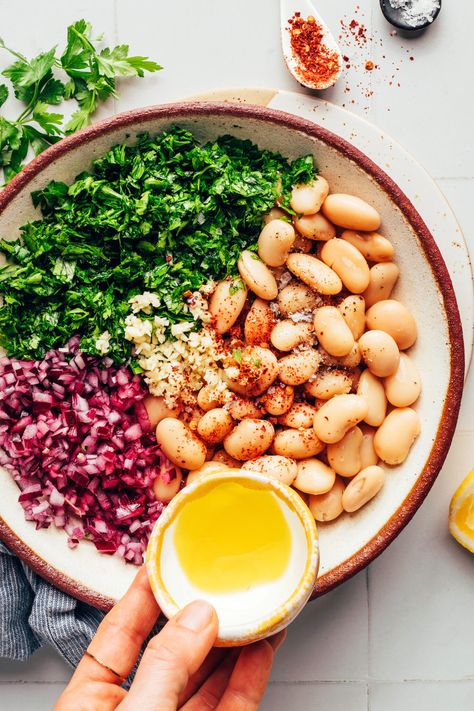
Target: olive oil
232,536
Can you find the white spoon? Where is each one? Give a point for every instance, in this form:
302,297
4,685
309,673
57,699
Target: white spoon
306,9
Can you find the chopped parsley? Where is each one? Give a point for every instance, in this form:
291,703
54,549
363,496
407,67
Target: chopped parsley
165,215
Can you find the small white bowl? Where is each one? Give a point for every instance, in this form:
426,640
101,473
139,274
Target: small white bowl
248,615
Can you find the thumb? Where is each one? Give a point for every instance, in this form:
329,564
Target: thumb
171,658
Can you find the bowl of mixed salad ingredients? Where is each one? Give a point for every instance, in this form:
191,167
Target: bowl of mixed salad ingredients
193,288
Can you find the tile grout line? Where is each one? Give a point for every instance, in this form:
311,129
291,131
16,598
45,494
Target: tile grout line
26,682
369,624
115,21
365,682
318,682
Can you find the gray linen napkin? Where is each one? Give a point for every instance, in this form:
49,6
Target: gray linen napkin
33,613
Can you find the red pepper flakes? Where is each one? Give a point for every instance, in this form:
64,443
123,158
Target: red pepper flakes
369,65
317,64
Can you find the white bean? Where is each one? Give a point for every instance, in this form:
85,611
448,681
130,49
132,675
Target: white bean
344,456
315,273
307,199
240,408
332,331
351,212
157,409
351,360
327,507
396,434
404,386
300,416
379,352
259,323
208,398
394,318
258,369
297,368
226,303
275,242
383,278
257,275
295,298
278,399
362,488
337,416
297,444
165,490
281,468
222,457
249,439
352,309
314,477
276,213
179,444
287,334
348,263
315,227
372,390
373,246
214,425
368,455
328,383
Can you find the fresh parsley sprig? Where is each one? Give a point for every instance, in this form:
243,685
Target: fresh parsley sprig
91,77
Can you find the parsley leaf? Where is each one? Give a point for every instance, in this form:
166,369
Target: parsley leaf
23,73
93,74
91,78
48,121
3,93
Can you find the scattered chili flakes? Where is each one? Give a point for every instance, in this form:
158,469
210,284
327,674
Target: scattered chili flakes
355,37
317,64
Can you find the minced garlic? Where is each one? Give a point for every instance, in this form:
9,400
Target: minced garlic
177,368
103,343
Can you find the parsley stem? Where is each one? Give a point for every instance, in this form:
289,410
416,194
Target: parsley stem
12,51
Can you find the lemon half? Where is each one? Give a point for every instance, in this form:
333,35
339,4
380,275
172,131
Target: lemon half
461,513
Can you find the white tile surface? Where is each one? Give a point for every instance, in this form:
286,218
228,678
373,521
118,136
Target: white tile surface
422,696
421,591
316,697
316,648
416,621
430,113
31,696
44,666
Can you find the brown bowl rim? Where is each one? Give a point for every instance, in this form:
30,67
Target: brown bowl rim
442,441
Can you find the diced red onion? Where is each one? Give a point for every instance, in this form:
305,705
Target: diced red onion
75,435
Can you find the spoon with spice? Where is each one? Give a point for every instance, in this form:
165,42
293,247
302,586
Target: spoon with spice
310,50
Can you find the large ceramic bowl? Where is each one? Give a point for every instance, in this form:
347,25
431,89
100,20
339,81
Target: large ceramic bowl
354,540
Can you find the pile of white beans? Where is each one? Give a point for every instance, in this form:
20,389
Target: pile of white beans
323,387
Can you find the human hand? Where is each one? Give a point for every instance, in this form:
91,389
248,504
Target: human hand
179,668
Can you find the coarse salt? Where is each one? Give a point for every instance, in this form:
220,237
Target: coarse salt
416,12
302,316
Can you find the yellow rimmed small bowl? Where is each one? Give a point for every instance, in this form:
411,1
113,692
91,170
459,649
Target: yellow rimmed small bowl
259,611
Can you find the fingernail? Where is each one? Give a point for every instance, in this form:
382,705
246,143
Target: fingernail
196,616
